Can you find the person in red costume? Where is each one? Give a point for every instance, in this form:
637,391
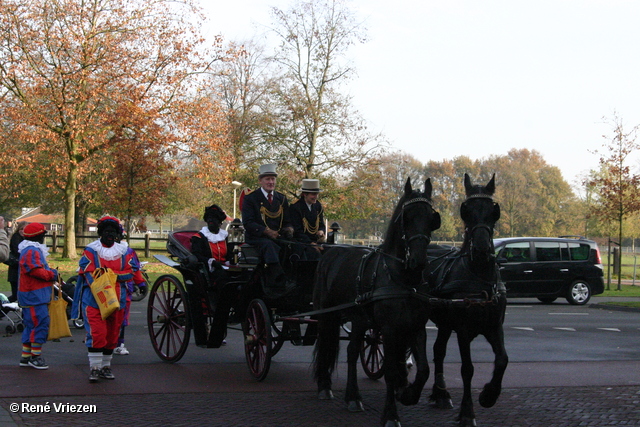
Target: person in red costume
34,293
102,335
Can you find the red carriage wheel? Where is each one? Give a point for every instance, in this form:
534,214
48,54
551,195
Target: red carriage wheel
168,318
277,339
372,354
257,339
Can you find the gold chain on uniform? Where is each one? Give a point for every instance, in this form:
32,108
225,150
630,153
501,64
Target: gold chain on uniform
313,230
266,213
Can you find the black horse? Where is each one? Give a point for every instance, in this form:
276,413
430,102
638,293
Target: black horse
386,282
470,300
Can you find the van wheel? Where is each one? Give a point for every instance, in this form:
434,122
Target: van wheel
579,293
547,300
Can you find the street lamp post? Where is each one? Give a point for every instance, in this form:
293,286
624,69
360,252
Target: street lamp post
236,185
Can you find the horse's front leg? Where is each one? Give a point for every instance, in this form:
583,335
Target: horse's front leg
439,395
467,416
411,394
394,367
492,389
352,393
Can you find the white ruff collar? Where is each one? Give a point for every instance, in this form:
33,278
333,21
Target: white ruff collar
109,254
28,243
214,238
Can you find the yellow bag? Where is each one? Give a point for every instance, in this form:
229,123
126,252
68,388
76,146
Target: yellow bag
103,289
58,322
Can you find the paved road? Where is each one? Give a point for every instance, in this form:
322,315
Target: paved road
206,389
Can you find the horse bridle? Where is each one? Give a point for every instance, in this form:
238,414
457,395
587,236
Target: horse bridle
407,251
472,231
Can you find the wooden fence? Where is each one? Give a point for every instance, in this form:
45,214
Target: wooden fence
55,241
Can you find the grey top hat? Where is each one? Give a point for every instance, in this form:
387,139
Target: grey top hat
267,170
310,186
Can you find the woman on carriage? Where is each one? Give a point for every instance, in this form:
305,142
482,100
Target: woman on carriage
210,244
307,218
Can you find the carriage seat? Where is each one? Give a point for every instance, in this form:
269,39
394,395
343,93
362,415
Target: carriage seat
249,254
179,245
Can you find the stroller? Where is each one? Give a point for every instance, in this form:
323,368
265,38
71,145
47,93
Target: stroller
69,288
13,313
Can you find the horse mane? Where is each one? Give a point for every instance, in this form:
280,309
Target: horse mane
394,230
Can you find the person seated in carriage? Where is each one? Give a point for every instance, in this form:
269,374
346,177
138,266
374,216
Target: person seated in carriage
210,244
265,216
307,218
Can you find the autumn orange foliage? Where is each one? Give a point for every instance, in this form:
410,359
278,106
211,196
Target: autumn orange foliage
92,91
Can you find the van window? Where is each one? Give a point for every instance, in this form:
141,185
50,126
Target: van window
579,251
516,252
547,251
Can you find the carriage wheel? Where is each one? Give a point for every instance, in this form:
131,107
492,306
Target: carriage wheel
257,339
372,354
168,318
277,340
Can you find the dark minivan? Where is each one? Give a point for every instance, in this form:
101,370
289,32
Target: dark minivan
548,268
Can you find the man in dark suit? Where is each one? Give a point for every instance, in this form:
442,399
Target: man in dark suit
307,217
265,217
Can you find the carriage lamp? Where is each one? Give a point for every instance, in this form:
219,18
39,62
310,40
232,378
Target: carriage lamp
334,235
236,237
236,185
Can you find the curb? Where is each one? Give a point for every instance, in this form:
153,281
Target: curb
614,307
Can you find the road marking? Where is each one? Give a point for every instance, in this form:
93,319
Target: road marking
568,314
566,329
522,328
610,329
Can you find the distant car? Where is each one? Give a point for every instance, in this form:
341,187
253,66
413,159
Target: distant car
548,268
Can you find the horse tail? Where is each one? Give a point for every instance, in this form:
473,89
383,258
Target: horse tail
327,348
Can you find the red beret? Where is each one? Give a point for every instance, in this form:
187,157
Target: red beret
34,229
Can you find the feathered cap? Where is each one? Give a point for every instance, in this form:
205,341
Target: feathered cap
33,229
214,211
106,221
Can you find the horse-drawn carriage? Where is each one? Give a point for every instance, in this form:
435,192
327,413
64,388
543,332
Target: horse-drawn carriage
206,305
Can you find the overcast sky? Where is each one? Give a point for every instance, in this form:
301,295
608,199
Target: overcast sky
465,77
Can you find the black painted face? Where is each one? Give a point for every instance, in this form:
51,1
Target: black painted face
213,225
109,236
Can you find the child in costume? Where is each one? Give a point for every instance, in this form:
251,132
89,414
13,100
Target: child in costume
34,293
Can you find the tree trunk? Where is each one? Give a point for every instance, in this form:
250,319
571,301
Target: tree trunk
620,252
70,190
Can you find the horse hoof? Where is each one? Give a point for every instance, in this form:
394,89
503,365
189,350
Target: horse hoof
442,404
392,423
356,406
489,396
325,395
467,422
408,397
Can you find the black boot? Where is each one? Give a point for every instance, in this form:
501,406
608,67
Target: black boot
276,280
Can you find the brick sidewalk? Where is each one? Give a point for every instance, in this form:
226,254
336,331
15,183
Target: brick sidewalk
530,407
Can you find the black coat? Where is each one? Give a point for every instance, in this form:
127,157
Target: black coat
306,221
257,213
14,257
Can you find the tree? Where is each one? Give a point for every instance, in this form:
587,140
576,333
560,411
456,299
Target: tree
82,79
313,126
533,196
617,187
